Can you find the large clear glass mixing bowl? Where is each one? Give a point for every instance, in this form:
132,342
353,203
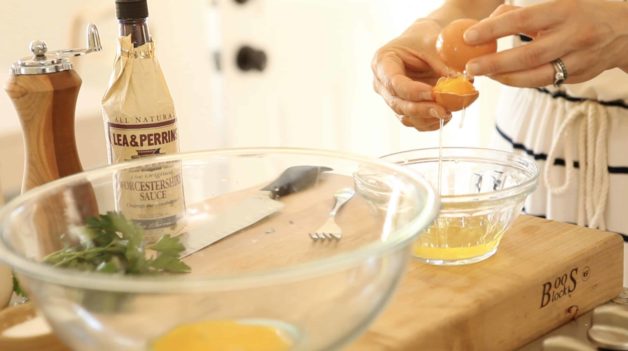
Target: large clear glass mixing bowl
313,294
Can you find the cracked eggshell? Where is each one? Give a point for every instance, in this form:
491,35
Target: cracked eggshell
454,102
452,48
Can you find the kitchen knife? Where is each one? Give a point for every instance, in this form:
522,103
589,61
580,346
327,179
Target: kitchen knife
250,210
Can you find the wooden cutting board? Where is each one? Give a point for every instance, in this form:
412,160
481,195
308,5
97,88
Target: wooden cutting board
543,274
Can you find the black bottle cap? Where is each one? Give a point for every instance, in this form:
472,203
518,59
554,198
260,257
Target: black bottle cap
131,9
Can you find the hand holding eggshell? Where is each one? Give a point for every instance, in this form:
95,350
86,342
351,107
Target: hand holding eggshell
405,71
452,48
456,93
589,37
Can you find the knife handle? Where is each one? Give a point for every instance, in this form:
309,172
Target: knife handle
293,179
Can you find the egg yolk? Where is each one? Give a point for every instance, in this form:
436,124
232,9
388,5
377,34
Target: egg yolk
458,85
222,336
454,93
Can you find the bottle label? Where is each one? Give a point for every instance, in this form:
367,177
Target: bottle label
151,196
141,122
131,141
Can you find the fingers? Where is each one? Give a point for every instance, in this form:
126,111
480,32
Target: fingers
551,24
389,70
395,73
580,67
532,78
520,58
438,66
423,115
528,19
421,109
503,9
423,124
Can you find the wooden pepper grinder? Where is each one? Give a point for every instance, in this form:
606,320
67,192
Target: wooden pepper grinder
44,89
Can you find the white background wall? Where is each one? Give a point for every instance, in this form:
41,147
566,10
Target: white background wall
315,92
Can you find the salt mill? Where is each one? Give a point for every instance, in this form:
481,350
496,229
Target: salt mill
44,89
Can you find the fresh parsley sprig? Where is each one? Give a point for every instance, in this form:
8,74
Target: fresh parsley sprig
110,243
17,288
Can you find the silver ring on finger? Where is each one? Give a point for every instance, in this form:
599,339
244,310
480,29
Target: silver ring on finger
560,72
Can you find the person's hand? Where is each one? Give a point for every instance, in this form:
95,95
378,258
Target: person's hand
405,70
589,36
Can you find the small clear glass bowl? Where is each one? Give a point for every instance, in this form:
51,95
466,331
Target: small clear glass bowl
316,295
482,193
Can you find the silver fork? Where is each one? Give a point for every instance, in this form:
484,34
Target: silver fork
330,229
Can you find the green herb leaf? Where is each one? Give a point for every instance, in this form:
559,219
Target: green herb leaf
111,266
169,264
99,230
110,243
17,288
129,232
168,245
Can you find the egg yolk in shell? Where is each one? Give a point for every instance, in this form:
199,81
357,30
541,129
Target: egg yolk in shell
454,93
458,85
222,336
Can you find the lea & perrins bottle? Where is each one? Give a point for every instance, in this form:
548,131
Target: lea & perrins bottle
140,121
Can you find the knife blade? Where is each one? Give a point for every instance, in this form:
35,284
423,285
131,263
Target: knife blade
250,210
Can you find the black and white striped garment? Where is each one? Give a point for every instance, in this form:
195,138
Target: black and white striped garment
535,121
577,127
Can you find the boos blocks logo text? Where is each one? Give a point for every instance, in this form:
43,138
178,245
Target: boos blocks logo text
563,285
